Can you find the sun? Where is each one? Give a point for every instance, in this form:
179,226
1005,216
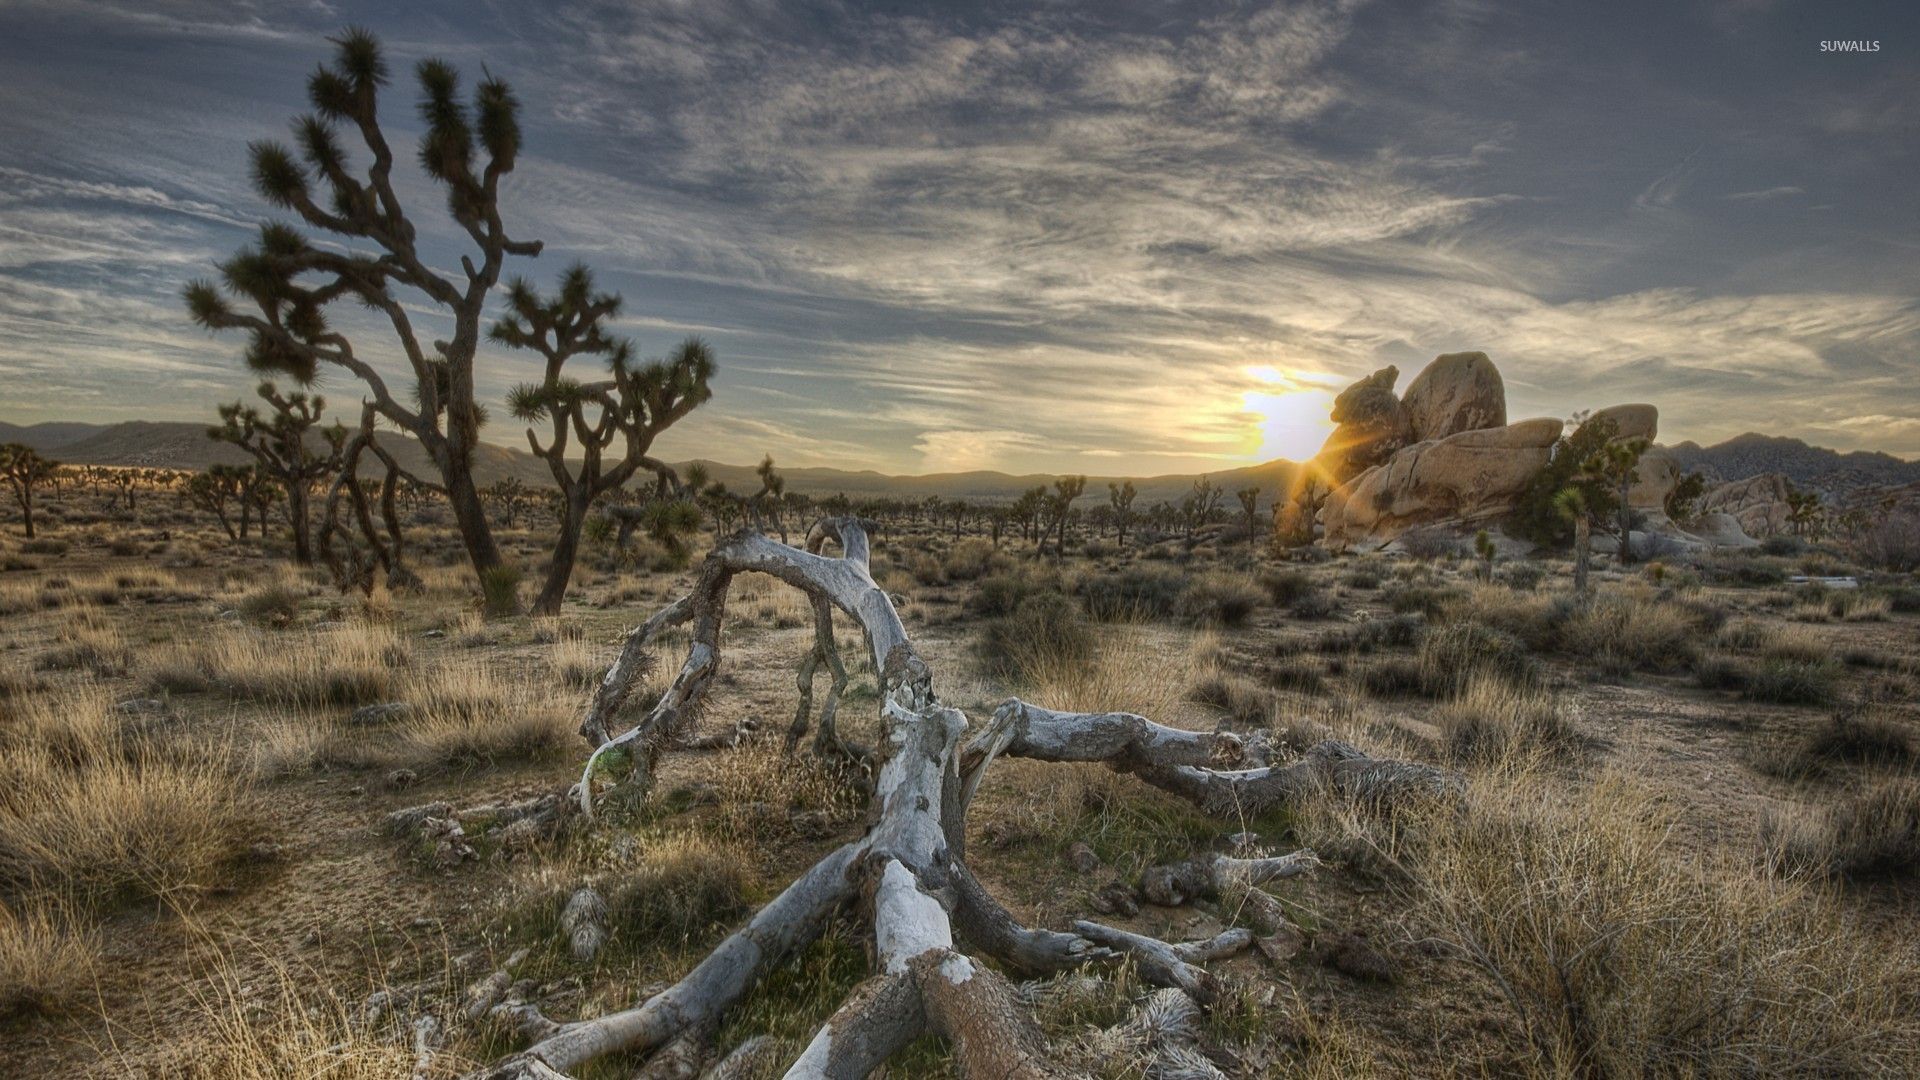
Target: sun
1292,424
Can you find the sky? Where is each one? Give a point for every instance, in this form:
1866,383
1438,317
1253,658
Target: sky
1112,237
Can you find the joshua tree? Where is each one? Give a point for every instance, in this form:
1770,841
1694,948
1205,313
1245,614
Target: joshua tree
212,489
1249,504
24,469
1057,505
1120,496
383,545
507,497
1027,509
1198,507
1803,510
1616,463
633,405
1483,546
280,450
1571,503
280,289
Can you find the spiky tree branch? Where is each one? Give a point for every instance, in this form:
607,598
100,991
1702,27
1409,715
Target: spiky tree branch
280,449
279,290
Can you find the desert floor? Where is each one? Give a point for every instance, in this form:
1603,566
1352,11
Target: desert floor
1683,843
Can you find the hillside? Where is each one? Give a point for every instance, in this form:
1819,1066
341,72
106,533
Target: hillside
1808,466
184,445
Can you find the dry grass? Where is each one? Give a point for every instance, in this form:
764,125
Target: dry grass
354,663
1494,721
97,819
1871,833
1616,959
46,963
90,641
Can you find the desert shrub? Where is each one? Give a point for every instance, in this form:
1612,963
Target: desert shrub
1493,721
1429,542
1000,594
1428,600
99,823
1393,676
1783,546
1363,577
1866,736
1368,635
272,605
88,641
1044,630
1246,703
1874,833
45,545
1617,956
500,590
353,664
1903,600
1318,604
1219,599
1773,680
688,890
1741,569
1623,633
46,962
1135,592
1286,586
1523,576
971,559
1298,675
1452,656
1891,543
926,568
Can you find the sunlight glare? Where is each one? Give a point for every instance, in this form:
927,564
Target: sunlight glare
1292,425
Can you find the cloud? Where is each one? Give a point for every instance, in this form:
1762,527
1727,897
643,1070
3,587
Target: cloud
1766,194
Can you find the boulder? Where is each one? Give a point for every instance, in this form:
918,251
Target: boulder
1659,471
1464,479
1721,530
1458,392
1371,425
1630,421
1758,504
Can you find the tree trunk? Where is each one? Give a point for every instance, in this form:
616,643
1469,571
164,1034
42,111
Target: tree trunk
1582,546
471,517
1626,526
26,511
297,496
566,548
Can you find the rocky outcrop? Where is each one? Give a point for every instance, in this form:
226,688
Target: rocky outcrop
1443,455
1458,392
1370,426
1469,478
1629,421
1758,503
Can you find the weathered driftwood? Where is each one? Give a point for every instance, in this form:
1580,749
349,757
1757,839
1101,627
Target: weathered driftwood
907,875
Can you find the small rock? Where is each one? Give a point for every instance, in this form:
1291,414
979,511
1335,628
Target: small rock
141,705
1281,947
1082,858
385,712
357,790
400,778
1116,899
1351,954
434,634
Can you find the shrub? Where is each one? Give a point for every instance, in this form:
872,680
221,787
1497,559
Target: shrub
1245,703
273,605
1621,956
971,559
1494,721
1000,594
1523,576
1299,675
1428,600
1892,543
1874,833
45,545
1317,604
1136,592
1624,633
1043,631
1428,542
46,963
500,590
1286,586
688,889
1778,681
1782,546
1452,656
1219,600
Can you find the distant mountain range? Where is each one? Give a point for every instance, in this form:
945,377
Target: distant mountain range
183,445
1807,466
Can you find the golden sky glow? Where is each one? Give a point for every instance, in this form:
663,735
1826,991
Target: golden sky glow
1288,421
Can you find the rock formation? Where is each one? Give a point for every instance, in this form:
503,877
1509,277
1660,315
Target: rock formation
1758,503
1470,478
1444,455
1458,392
